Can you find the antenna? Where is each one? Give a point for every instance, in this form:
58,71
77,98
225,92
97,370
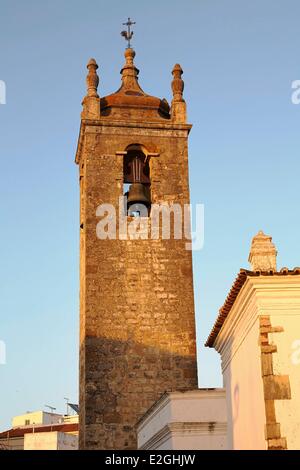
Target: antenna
51,408
67,403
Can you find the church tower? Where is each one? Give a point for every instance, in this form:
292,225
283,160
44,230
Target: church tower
137,325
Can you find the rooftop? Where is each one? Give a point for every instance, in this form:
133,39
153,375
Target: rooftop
262,258
131,95
19,432
234,292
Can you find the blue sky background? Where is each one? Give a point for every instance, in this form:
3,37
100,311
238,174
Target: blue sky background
239,60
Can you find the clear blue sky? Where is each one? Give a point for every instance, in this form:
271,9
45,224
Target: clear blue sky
239,59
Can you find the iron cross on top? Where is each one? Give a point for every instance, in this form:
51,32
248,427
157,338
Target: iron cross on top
128,34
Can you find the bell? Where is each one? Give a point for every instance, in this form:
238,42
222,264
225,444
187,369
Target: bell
138,194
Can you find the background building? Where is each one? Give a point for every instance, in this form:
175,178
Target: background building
40,430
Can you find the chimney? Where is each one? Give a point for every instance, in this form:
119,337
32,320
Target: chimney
262,256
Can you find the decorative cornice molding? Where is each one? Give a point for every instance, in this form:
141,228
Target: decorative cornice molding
169,397
237,325
101,126
147,125
180,429
267,279
255,298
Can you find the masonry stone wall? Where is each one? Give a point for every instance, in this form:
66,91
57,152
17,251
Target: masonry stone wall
137,326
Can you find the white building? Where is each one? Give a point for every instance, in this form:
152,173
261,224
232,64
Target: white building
36,417
40,430
257,334
185,420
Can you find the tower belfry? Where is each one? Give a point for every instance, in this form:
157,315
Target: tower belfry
137,325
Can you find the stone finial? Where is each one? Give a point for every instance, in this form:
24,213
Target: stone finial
129,55
178,108
263,253
177,83
91,101
92,79
130,73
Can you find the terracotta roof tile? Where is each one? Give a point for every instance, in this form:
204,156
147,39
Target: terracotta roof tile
234,292
19,432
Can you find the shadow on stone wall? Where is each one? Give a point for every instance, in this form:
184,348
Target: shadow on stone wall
119,382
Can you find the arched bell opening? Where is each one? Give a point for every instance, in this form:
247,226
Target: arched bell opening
137,182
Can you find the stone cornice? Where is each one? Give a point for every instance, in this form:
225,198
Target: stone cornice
167,398
144,125
103,126
237,325
180,429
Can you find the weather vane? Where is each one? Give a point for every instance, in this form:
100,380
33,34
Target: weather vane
128,34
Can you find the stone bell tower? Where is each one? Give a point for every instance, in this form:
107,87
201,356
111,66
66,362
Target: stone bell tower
137,325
